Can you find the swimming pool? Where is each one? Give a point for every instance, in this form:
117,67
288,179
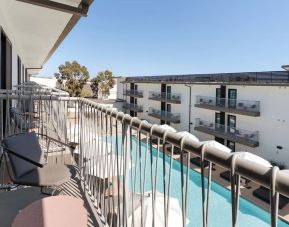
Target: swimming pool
220,201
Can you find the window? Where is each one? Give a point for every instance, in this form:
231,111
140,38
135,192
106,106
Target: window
6,62
231,145
22,76
169,91
220,96
18,70
219,140
232,98
132,86
132,113
231,123
169,108
220,121
163,88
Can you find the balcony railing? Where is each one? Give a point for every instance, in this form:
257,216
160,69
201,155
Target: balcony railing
128,180
238,135
244,107
164,115
135,93
273,77
132,106
165,97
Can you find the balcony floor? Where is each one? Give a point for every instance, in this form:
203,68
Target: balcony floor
13,201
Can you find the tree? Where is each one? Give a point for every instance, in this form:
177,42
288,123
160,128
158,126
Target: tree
74,75
94,86
105,82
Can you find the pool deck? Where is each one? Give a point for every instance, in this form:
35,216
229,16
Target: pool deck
246,192
13,202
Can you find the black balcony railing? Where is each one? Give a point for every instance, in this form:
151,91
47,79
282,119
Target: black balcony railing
270,77
245,107
165,115
132,106
165,97
238,135
131,92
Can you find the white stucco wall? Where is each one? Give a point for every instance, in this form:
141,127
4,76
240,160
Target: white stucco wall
15,50
49,82
273,124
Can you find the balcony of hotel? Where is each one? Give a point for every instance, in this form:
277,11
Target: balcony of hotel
133,107
133,93
165,97
236,106
165,115
237,135
118,176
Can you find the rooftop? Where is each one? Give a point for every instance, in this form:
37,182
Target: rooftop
248,78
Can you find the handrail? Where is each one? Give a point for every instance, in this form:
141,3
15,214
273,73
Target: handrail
250,170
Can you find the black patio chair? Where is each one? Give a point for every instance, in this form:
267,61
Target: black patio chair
28,165
20,120
264,194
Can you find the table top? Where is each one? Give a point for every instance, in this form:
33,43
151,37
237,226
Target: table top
54,211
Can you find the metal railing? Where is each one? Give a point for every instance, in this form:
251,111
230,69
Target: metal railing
270,77
132,106
242,105
234,132
129,178
173,97
131,92
165,115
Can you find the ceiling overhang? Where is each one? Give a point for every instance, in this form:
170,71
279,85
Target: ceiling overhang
81,10
38,27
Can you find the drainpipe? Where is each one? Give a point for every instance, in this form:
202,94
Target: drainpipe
190,106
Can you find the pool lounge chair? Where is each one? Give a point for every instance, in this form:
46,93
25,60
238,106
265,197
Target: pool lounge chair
264,194
196,161
227,176
28,165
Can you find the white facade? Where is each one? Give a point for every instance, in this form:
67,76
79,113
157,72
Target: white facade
15,49
49,82
272,124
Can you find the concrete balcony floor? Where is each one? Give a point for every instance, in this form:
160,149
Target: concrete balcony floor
14,201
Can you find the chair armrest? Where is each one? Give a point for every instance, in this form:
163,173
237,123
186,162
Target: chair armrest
70,145
23,157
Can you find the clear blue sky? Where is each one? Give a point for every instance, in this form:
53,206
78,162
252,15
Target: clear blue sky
156,37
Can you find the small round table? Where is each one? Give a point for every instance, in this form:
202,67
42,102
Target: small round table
54,211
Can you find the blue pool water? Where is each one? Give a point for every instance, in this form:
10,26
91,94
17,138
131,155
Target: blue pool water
220,200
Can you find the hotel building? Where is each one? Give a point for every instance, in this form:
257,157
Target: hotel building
244,111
